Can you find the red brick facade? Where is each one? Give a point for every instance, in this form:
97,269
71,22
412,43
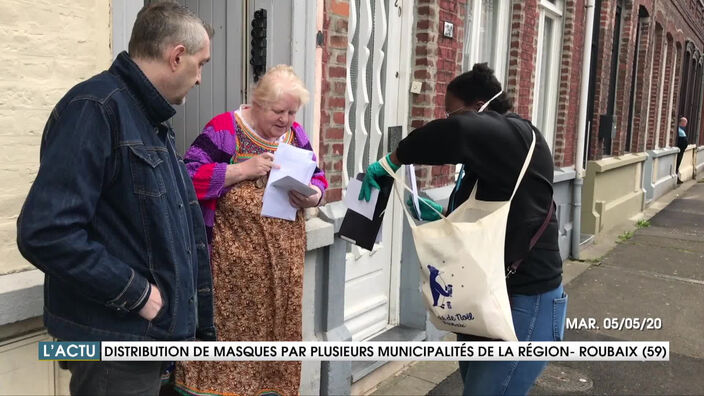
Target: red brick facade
667,36
570,81
434,55
437,59
522,54
655,98
332,104
663,30
640,90
666,120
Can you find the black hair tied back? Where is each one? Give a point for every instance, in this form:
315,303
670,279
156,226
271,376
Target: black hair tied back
480,83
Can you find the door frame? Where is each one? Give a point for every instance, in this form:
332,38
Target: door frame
404,67
124,13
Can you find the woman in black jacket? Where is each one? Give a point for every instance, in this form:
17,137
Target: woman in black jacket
492,146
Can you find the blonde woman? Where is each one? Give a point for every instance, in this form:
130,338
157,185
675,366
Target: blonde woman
257,262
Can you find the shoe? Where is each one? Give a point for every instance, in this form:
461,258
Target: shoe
679,181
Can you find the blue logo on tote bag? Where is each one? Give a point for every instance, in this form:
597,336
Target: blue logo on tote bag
439,289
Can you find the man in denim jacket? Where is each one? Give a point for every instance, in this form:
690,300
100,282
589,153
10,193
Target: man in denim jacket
112,218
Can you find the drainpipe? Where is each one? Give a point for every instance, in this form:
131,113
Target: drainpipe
582,130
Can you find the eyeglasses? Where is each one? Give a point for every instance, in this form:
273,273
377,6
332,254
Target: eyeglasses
449,113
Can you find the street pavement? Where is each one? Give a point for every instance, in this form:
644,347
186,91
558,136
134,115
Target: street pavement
657,274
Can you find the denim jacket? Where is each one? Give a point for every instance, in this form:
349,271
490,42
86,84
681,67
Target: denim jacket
112,210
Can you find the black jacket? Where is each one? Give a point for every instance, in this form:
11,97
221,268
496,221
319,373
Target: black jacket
112,209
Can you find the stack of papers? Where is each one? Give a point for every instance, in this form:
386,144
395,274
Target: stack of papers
363,220
360,206
296,167
289,183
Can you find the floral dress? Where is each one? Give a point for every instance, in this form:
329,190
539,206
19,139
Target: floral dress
257,265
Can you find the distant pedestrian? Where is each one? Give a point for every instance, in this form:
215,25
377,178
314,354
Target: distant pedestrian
682,144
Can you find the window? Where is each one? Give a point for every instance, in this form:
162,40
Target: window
487,38
639,52
671,99
661,84
487,35
548,68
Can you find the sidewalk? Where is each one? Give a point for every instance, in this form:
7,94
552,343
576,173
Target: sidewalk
650,272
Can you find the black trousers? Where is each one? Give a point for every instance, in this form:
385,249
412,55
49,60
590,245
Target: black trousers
682,145
115,378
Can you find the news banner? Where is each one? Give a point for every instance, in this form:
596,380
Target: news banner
352,350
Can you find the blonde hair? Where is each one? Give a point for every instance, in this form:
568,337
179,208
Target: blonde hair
278,81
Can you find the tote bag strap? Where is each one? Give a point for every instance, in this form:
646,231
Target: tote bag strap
411,175
473,194
391,173
397,181
514,265
529,157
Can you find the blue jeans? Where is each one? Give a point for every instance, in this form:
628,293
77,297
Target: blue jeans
115,378
539,317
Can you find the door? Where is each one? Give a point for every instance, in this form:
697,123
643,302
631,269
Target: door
376,102
222,87
229,76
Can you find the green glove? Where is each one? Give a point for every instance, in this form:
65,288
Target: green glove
374,172
426,213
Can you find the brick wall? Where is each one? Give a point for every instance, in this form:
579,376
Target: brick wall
666,119
332,104
643,87
624,74
433,65
678,81
522,53
603,74
570,80
678,22
665,82
436,60
692,87
47,47
654,87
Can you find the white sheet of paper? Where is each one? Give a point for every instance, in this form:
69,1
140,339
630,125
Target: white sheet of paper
288,183
411,173
362,207
294,162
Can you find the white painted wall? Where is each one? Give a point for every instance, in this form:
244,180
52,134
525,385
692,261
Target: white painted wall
47,47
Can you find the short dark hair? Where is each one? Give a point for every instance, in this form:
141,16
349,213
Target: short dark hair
480,83
166,23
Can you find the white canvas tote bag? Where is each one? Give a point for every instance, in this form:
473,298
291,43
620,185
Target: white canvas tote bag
463,278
